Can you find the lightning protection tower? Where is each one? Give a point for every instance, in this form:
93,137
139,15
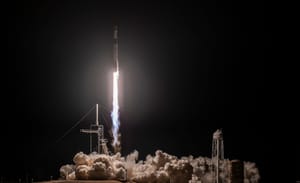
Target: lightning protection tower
217,155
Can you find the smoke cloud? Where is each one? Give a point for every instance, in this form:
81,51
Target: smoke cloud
160,168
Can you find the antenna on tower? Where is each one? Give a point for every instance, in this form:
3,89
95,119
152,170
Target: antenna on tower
99,130
217,155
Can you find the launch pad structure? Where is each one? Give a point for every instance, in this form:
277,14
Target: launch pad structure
99,130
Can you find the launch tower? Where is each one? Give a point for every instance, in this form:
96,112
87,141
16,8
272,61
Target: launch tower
99,130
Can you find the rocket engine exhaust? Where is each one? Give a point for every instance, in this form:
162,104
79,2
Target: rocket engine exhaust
115,111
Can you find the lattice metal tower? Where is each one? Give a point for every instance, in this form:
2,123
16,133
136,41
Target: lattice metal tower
101,141
217,155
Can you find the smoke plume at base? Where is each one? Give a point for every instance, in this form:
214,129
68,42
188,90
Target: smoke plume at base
160,168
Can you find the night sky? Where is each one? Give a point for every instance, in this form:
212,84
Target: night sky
186,69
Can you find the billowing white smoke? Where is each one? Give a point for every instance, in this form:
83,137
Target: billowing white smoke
251,172
115,111
95,167
161,168
67,172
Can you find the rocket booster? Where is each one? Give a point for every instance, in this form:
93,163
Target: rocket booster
115,56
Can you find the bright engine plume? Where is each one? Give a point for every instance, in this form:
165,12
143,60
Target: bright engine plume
115,111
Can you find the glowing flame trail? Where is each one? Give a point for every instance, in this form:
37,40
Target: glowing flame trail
115,111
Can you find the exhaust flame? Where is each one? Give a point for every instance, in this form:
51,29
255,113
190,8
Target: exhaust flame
115,111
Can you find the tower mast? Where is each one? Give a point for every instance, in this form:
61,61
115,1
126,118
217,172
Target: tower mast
217,155
99,130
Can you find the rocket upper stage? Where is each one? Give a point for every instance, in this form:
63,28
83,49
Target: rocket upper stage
116,59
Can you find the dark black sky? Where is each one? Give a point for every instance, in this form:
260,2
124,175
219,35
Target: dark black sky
186,70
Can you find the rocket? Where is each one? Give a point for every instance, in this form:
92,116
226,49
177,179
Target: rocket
115,56
115,111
